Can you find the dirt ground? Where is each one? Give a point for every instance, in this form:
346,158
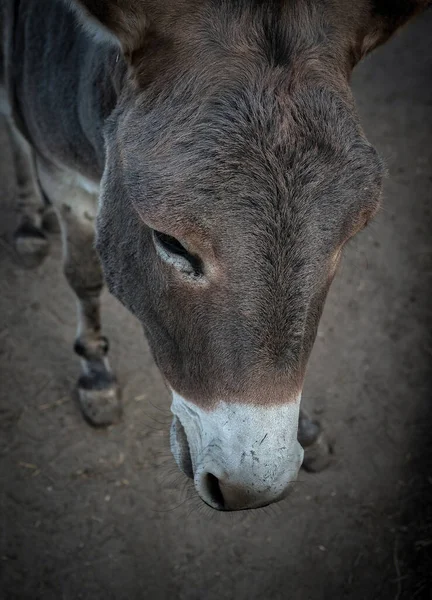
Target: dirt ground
89,514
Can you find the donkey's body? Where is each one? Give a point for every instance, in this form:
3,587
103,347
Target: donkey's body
60,78
229,126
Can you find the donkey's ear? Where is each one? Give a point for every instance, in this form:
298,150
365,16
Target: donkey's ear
386,17
124,22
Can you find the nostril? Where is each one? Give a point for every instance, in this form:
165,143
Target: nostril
180,447
212,492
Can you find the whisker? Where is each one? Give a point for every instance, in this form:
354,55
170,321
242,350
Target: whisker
162,410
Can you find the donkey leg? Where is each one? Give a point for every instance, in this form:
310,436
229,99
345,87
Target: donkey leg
30,241
97,387
317,450
98,392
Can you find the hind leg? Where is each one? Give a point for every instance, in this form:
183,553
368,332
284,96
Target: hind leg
97,387
31,243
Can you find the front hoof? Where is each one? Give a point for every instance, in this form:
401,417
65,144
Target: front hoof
318,455
308,431
100,406
50,220
31,245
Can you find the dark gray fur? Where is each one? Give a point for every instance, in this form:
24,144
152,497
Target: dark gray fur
229,125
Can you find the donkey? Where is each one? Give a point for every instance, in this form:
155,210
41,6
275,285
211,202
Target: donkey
204,158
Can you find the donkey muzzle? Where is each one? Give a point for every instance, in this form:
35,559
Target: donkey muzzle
239,455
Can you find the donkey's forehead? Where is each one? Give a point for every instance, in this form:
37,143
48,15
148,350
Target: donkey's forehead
276,176
248,162
237,146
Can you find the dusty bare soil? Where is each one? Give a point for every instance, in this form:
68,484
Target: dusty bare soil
90,514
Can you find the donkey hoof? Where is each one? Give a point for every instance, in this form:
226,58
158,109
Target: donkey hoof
318,455
31,245
308,432
50,221
99,405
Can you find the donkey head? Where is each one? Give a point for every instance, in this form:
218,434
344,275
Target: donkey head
236,170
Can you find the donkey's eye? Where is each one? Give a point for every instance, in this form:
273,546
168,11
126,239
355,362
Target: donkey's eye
170,244
173,252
